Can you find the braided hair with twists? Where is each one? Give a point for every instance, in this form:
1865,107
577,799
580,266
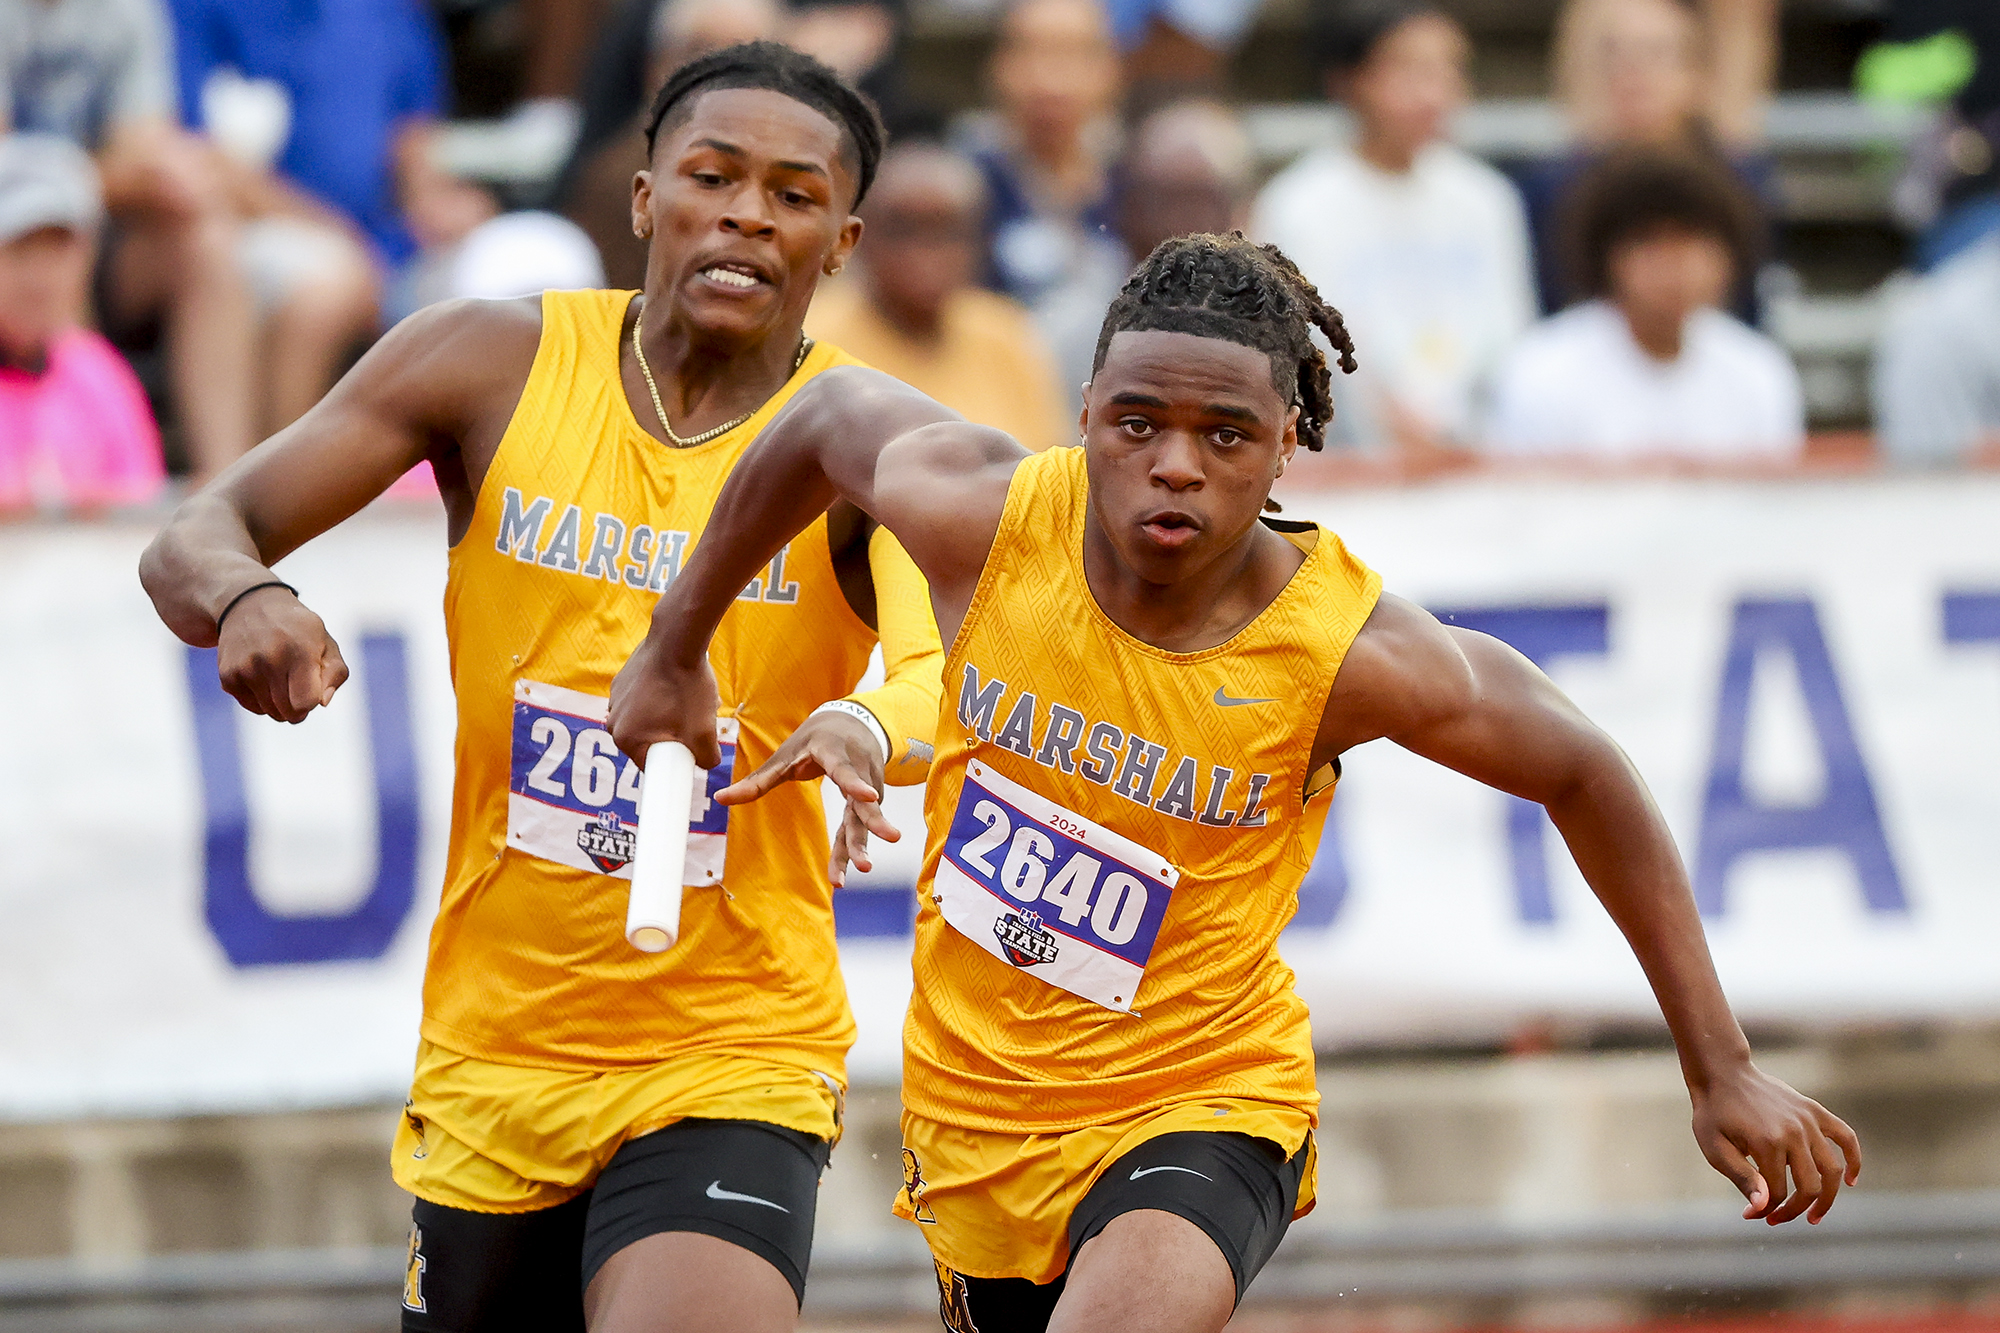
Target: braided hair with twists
1231,288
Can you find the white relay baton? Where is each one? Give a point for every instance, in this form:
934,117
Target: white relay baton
653,914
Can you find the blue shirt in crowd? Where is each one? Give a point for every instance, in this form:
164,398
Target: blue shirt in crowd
355,70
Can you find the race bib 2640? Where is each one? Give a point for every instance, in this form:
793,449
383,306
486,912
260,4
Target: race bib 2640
573,798
1049,892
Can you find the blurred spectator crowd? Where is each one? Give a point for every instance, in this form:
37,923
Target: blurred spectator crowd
209,208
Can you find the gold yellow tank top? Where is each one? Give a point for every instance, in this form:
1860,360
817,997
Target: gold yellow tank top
1117,836
581,521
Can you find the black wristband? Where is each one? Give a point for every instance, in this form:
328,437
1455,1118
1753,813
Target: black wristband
255,587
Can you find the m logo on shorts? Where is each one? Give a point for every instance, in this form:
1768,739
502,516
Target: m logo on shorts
913,1189
416,1124
413,1273
954,1301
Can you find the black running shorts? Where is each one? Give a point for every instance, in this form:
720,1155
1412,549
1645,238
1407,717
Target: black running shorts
749,1183
1238,1189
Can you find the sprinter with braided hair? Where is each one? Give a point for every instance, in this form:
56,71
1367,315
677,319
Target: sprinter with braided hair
1108,1080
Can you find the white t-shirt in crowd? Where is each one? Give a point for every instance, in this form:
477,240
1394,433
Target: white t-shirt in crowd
1430,268
1579,384
1937,364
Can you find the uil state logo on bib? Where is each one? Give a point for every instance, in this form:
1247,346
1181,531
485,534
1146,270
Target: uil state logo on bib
1024,939
1049,892
574,799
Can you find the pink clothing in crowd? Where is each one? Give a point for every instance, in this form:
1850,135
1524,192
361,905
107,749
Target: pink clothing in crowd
419,483
79,435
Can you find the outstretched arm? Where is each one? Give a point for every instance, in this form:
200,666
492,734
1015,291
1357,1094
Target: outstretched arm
935,481
904,708
433,387
1475,705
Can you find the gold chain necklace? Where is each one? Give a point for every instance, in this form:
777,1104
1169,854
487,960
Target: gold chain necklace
659,408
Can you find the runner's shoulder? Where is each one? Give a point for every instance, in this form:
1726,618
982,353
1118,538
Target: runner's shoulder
1404,669
468,343
476,327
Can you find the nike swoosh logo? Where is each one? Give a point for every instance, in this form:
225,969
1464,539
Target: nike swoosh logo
1224,701
1147,1171
715,1191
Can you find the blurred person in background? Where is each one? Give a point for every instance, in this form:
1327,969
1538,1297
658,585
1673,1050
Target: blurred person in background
913,309
1950,188
352,91
312,205
356,81
560,35
100,73
862,41
1423,246
1178,48
1649,367
1047,152
1937,365
75,430
1188,170
375,219
1658,74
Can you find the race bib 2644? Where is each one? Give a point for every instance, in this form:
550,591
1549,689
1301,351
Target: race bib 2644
1049,892
572,798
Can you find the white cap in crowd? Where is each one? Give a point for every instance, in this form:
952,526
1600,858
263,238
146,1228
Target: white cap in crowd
517,254
46,181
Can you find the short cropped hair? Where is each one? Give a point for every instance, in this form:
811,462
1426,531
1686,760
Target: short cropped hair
795,74
1345,33
1636,192
1231,288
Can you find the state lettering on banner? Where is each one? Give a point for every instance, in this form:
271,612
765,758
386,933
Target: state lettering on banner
1845,817
250,933
277,882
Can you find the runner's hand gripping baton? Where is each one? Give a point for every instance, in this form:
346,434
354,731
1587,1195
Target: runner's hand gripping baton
653,915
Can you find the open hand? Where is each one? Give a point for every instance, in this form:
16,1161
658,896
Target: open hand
829,745
275,657
654,700
1752,1127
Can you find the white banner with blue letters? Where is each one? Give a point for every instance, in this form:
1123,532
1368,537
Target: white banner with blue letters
205,911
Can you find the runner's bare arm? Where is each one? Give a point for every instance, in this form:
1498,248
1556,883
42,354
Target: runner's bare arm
436,386
1473,704
934,480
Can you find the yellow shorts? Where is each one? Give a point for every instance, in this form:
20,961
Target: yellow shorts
497,1138
998,1205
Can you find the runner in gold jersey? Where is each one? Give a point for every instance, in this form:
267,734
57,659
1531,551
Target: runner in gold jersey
1108,1080
592,1130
